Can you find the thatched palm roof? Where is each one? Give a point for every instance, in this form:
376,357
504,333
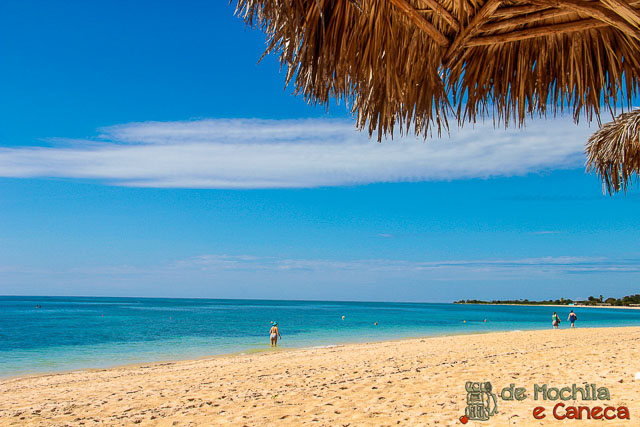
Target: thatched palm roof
614,152
417,62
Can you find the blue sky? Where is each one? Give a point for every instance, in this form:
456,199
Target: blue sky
144,151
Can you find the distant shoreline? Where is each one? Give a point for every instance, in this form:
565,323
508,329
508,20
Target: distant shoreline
551,305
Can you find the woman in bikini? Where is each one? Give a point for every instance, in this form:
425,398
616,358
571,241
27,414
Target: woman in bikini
274,334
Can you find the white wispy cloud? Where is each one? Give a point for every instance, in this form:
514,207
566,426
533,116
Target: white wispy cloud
528,266
252,153
454,268
242,276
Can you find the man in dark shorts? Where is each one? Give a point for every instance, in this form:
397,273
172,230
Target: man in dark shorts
572,319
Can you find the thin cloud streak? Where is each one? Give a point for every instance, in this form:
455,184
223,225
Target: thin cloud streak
252,153
232,276
528,266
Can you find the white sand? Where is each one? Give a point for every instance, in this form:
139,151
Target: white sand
411,382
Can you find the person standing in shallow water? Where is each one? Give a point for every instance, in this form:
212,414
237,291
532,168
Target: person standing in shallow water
572,319
274,334
555,320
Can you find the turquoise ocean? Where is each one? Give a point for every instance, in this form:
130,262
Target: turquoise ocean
85,332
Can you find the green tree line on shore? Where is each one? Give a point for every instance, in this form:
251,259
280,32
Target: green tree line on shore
624,301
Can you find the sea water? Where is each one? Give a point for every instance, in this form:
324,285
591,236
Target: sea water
85,332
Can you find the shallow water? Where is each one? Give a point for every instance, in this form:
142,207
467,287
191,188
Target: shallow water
82,332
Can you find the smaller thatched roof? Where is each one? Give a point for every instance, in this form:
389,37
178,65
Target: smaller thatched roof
614,152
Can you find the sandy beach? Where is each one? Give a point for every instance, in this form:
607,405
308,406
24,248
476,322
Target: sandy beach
408,382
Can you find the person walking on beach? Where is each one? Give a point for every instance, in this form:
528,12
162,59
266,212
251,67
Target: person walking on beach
572,319
555,320
274,333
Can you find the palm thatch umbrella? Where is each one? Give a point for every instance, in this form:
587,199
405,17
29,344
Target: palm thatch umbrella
613,152
413,63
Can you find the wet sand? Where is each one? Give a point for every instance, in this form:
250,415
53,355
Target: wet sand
408,382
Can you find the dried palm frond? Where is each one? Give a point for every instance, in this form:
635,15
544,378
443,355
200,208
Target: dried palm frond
412,63
613,152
